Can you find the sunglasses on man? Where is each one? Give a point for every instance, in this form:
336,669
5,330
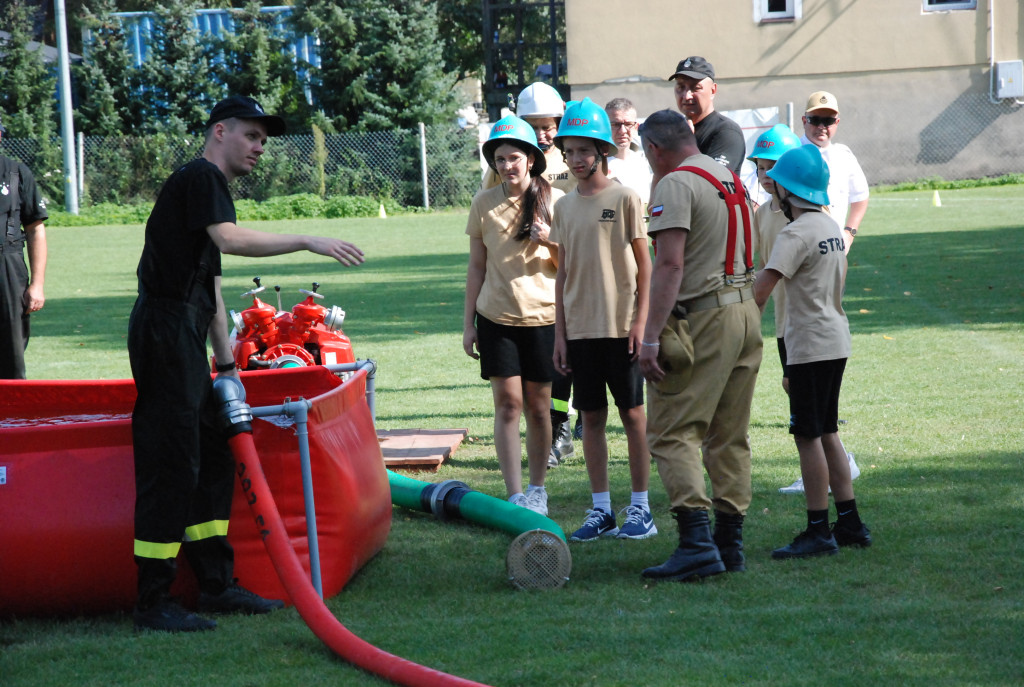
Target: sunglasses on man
815,120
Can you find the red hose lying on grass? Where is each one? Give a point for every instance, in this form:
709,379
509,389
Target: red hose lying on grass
309,604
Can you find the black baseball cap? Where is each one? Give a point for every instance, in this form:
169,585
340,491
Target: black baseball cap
694,67
244,107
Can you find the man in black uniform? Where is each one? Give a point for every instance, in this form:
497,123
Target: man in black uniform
22,212
184,472
718,136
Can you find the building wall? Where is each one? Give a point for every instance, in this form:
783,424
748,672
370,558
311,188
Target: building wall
913,87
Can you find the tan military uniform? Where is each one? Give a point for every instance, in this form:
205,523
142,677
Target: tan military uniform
557,173
713,410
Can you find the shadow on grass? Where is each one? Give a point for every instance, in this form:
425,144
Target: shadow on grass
936,279
895,281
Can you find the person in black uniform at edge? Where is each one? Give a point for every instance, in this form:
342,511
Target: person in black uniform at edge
718,137
22,212
184,471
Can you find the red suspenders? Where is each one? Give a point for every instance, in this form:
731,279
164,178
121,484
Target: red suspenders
733,200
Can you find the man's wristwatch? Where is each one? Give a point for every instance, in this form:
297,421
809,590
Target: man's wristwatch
225,367
853,232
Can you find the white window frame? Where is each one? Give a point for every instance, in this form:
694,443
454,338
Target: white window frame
793,12
928,6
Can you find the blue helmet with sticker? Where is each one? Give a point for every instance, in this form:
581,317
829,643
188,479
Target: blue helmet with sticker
516,132
587,119
773,143
802,171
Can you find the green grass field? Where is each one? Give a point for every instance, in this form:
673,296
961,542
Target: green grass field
933,404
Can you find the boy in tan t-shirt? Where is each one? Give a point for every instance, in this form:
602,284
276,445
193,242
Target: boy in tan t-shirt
601,296
809,255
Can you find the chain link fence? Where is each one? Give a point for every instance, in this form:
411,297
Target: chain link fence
382,165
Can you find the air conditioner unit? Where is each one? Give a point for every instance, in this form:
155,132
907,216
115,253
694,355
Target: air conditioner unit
1009,79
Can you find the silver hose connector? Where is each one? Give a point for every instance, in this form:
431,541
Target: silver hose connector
234,412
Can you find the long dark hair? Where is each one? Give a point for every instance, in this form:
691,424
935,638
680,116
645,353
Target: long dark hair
536,206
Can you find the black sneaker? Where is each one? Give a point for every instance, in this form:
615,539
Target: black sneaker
846,536
169,616
237,599
808,544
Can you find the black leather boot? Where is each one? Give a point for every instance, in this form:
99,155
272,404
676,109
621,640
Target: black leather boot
729,540
697,555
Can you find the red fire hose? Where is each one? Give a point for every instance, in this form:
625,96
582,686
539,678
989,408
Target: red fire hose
309,604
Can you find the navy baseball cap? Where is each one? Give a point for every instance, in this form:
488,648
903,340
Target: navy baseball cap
244,107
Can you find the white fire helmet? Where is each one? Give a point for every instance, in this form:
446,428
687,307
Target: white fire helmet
540,100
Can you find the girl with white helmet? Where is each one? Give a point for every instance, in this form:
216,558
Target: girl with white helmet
509,314
542,108
809,254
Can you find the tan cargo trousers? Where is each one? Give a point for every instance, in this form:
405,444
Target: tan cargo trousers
712,412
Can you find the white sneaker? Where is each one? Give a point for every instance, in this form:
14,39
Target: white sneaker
537,501
854,470
518,499
796,487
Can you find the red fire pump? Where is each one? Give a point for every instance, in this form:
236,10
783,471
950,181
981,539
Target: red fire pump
268,338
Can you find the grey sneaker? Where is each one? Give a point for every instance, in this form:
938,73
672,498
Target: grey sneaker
854,470
537,501
796,487
518,499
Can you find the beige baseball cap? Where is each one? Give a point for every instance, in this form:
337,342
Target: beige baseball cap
822,100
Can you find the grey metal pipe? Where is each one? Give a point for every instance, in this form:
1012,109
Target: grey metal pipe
299,411
370,366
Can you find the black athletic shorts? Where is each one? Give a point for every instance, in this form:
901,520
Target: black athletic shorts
814,397
507,351
599,362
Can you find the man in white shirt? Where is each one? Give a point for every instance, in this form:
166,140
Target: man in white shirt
847,186
628,165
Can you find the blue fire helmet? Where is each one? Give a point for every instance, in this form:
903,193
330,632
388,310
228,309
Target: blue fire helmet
803,172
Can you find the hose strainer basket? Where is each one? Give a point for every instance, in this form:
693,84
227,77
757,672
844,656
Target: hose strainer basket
538,560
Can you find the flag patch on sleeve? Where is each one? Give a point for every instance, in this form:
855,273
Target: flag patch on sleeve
656,210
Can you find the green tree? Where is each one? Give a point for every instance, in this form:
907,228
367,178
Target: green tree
181,85
27,96
460,26
27,85
381,63
256,64
107,83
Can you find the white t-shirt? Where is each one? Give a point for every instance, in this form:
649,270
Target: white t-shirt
634,172
846,181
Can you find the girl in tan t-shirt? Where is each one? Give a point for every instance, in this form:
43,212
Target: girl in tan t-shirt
509,314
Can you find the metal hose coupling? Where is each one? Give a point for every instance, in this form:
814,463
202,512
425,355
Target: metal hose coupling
235,414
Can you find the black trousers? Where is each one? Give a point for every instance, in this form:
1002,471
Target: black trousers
14,319
184,471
